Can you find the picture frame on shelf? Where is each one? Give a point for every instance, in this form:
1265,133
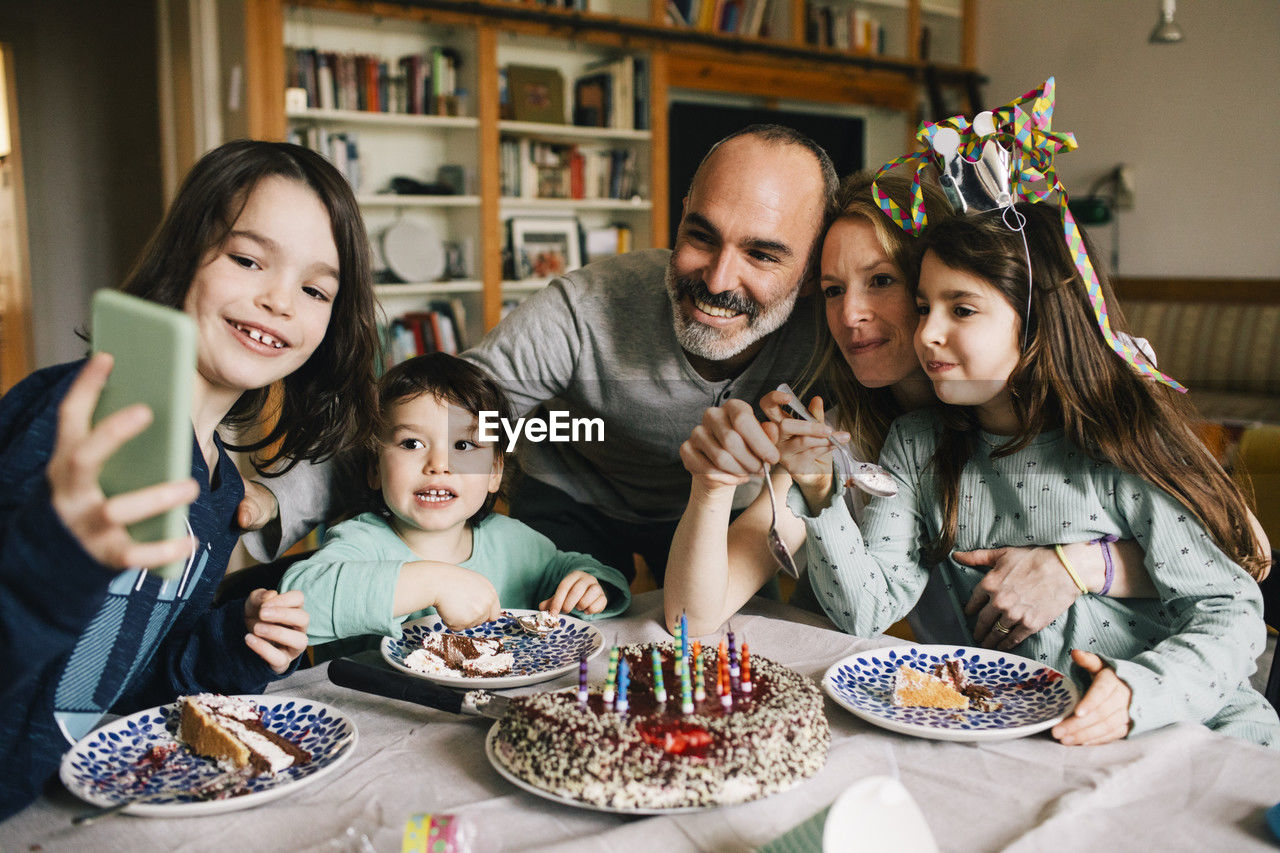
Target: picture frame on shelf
951,94
543,247
536,94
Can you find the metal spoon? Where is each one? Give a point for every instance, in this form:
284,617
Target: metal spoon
534,624
868,476
781,553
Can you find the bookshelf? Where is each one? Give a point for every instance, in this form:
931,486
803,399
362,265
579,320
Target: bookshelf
779,61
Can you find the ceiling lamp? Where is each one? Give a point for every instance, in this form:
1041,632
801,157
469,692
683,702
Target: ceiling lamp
1167,31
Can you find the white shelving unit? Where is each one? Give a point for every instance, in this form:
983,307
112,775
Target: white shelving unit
392,144
591,212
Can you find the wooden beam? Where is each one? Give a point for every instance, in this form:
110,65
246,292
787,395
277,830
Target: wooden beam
264,69
491,236
1256,291
706,71
659,161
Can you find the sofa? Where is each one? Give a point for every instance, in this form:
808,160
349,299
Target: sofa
1221,339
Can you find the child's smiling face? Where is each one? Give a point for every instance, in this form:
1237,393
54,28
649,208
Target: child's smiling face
967,340
432,471
263,298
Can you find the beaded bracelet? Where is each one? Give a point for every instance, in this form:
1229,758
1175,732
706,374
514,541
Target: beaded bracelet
1106,561
1066,564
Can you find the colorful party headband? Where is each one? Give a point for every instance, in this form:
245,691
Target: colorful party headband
998,159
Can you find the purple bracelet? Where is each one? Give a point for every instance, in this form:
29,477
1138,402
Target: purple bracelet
1106,560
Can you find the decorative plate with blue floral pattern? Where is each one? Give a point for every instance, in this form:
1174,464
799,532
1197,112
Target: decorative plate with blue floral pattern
1035,697
136,756
537,659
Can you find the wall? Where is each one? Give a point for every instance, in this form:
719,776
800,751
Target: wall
87,113
1194,121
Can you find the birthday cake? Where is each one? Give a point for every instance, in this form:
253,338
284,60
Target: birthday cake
770,734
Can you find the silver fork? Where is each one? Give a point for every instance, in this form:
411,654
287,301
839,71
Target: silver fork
210,790
868,476
781,553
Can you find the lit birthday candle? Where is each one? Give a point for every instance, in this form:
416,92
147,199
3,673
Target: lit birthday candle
659,690
582,679
746,668
733,664
613,675
699,683
624,681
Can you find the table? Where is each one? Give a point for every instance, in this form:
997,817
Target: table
1181,788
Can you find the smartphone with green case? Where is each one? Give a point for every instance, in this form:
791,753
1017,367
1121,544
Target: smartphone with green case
155,363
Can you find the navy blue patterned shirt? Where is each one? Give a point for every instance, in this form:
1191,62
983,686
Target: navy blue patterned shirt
78,639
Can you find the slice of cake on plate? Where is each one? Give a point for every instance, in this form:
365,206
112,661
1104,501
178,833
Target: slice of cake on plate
453,654
914,689
230,730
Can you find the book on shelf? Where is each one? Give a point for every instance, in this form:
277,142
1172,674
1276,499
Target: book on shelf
438,328
613,94
620,74
532,170
593,100
844,27
456,308
605,242
640,92
754,16
415,84
341,148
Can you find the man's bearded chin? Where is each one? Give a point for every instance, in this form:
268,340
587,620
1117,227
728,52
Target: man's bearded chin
722,344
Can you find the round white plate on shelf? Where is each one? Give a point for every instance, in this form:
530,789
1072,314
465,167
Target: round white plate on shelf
116,763
537,659
413,251
498,764
1035,697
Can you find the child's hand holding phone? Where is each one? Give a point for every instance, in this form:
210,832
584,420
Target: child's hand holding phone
79,454
577,590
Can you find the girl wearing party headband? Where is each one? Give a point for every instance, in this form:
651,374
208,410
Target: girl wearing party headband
1057,439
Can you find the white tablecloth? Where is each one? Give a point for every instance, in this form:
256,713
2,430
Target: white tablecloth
1181,788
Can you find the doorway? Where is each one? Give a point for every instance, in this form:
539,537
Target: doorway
15,277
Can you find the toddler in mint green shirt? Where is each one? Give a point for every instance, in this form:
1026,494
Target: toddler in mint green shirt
432,542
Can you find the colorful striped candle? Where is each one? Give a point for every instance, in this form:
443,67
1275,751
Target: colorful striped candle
613,675
733,664
746,668
684,635
722,684
659,689
699,683
624,681
582,679
686,690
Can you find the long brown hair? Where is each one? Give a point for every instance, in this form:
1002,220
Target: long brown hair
1068,375
326,405
867,412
